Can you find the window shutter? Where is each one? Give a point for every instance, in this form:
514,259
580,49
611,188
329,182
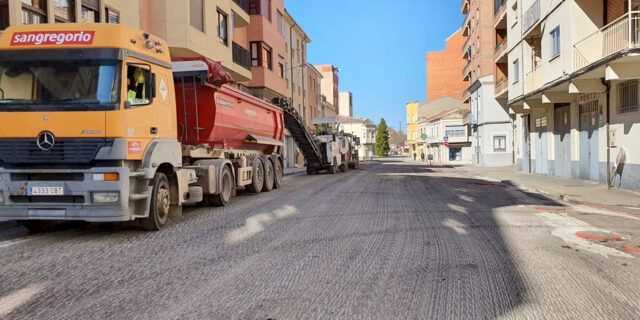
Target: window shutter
91,4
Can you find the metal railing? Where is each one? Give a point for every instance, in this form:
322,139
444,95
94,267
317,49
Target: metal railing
466,68
501,45
497,5
621,34
241,56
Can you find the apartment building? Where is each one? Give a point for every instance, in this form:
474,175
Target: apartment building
436,119
345,100
216,29
491,126
574,85
267,49
443,69
412,126
365,129
18,12
314,92
330,85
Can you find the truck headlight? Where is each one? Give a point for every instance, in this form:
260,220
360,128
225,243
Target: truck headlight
105,197
105,177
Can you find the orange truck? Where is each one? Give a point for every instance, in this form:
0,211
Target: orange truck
97,123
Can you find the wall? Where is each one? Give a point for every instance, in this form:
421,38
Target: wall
443,69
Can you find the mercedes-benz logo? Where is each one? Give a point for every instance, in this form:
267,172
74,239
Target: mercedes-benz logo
46,141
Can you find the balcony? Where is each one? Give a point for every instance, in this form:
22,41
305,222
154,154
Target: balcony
534,80
619,35
531,17
499,54
466,49
241,56
466,27
241,18
498,6
501,87
466,71
465,6
244,4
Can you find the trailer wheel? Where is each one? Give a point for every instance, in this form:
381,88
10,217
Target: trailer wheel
311,170
344,167
226,189
278,173
268,176
333,169
257,181
356,165
160,204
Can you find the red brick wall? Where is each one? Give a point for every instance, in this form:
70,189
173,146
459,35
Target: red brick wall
444,70
615,8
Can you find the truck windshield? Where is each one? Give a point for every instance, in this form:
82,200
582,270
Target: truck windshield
59,85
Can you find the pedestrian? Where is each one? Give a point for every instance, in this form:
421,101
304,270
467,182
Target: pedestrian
422,156
414,156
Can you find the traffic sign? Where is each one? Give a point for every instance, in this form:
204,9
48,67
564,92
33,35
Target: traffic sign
446,139
424,137
446,143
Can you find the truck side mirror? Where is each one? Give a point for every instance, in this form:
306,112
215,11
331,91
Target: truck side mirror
152,84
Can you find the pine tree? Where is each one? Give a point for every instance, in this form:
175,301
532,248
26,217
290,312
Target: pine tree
382,139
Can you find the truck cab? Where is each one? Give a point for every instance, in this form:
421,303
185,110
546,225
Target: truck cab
87,125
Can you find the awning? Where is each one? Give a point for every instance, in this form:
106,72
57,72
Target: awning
252,138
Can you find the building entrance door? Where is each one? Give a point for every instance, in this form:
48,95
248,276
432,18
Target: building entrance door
542,160
562,137
589,124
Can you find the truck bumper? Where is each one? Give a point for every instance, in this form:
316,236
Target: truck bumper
76,201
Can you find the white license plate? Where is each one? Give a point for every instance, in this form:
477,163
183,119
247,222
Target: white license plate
46,191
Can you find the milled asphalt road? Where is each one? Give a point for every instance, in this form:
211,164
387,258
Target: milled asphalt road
388,241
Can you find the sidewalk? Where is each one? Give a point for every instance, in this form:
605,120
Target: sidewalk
572,190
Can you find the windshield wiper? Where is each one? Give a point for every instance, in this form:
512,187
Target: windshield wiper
71,101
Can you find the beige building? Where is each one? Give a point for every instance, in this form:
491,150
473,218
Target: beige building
573,83
329,88
345,101
295,66
440,118
216,29
364,129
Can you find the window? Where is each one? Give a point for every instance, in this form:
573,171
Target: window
261,55
34,11
64,10
196,14
516,71
266,57
499,143
555,42
90,11
628,96
138,85
281,66
112,16
222,28
260,7
280,27
4,15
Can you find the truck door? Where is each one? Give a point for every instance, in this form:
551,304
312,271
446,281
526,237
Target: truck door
141,110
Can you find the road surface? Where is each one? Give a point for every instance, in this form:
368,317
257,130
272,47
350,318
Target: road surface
389,241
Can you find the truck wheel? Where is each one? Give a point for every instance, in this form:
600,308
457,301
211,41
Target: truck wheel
333,169
226,189
344,167
257,181
268,176
311,170
356,165
278,173
160,204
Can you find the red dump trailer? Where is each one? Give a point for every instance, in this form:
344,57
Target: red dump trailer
230,138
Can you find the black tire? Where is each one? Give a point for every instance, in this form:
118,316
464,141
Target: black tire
333,169
160,204
268,176
226,189
344,167
278,174
311,171
38,226
356,165
257,179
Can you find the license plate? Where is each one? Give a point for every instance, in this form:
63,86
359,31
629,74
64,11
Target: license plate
46,191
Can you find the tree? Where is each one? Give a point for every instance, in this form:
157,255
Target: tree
382,139
396,138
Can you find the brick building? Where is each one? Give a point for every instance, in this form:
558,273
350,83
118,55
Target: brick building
443,69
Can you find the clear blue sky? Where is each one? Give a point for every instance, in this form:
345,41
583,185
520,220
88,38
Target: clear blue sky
380,47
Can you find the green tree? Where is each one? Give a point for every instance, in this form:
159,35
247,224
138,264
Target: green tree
382,139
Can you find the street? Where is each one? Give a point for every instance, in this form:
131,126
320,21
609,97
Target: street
392,240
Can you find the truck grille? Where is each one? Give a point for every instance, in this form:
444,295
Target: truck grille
26,151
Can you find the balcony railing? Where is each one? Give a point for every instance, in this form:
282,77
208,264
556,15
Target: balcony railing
244,4
466,68
241,56
621,34
535,79
531,17
502,83
501,45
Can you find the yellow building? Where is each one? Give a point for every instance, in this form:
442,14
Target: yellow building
412,126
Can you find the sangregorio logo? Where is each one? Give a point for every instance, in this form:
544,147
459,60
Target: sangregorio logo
46,141
52,38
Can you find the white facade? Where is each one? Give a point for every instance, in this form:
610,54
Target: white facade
571,55
345,101
449,127
366,131
491,127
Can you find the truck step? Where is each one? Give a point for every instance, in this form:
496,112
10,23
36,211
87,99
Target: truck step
137,174
138,196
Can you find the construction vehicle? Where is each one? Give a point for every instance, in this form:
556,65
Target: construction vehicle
97,123
353,156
